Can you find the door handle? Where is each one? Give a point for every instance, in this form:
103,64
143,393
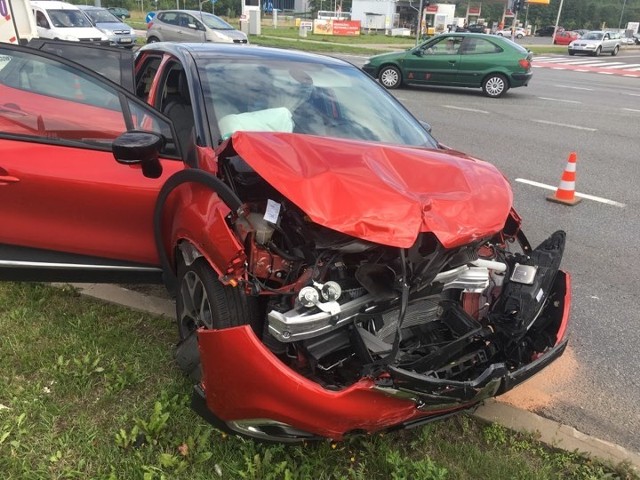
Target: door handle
452,62
7,179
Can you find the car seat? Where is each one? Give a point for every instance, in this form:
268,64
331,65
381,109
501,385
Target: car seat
177,106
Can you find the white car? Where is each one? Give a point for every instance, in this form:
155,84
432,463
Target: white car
506,32
596,42
63,21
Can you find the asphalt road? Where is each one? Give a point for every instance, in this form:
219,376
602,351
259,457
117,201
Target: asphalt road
529,134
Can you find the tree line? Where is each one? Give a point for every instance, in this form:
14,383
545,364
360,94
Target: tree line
589,14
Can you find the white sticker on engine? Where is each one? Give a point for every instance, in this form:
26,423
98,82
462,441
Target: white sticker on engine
539,295
272,212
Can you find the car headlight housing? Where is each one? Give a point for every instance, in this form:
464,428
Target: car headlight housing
221,37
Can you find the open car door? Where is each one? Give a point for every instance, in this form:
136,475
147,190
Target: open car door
116,64
69,211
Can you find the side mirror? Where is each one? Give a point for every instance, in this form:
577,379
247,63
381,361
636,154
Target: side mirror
426,126
192,26
417,52
139,148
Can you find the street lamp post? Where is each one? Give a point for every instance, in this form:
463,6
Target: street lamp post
555,29
621,14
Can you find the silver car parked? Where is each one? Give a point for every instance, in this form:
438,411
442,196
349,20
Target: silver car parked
120,34
596,42
192,26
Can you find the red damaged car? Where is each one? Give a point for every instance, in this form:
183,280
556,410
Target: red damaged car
335,269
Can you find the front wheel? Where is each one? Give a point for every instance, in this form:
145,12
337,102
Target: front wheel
390,77
615,51
597,52
519,35
495,85
153,39
203,302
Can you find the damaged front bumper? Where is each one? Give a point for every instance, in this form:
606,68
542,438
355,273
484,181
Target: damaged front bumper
257,395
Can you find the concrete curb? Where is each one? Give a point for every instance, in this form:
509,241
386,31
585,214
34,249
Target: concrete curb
547,431
555,434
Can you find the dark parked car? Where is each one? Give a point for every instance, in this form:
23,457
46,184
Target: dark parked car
473,60
333,273
547,31
120,12
476,28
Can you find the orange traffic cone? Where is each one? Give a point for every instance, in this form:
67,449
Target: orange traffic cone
566,192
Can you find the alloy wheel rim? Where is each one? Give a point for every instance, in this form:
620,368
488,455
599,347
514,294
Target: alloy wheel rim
196,307
389,78
495,86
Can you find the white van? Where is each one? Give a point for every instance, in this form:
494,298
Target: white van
63,21
17,24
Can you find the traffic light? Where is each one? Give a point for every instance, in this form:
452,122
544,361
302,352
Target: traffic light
517,5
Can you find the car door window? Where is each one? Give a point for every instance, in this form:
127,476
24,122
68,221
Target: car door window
478,46
49,100
446,46
41,20
145,75
170,18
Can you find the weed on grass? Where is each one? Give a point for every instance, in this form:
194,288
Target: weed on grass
89,390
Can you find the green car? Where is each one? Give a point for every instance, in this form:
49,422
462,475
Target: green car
474,60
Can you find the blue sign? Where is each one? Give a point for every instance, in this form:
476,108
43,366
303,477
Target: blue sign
149,16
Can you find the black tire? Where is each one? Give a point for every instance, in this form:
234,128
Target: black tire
519,35
153,39
597,52
495,85
390,77
616,49
202,301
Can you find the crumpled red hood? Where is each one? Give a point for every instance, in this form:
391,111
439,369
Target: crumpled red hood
386,194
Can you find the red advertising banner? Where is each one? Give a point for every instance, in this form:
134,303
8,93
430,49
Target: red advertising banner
432,8
474,10
346,27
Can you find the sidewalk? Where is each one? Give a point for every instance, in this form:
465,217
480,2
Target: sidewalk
549,432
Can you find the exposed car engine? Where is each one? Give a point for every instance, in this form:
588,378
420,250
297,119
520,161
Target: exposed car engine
337,308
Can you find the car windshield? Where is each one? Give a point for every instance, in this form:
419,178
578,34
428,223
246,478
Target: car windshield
593,36
68,18
214,22
303,97
102,16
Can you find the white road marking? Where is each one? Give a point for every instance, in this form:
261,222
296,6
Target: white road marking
558,68
633,94
627,75
580,70
607,64
606,73
583,62
634,69
558,100
575,88
576,127
631,110
581,195
465,109
626,65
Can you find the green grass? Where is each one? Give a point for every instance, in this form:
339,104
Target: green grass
89,390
